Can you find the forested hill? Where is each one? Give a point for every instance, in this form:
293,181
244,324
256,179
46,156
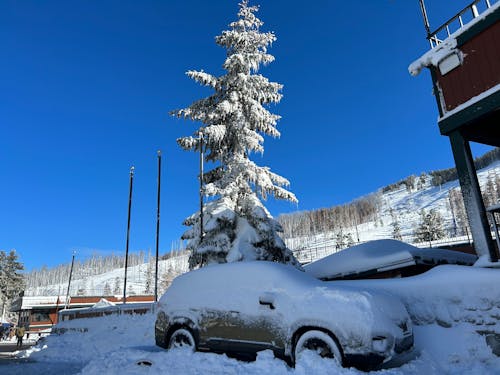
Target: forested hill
395,210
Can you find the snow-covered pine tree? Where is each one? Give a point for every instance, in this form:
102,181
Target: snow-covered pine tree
396,230
430,227
11,280
237,225
148,288
117,288
107,289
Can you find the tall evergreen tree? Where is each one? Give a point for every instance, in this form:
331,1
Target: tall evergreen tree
430,227
148,288
237,225
107,289
396,230
117,287
11,280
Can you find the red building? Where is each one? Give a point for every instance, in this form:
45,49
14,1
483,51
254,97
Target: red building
464,63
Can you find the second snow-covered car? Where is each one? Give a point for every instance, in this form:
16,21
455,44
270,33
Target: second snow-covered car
245,307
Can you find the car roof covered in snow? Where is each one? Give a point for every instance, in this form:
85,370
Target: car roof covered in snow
382,255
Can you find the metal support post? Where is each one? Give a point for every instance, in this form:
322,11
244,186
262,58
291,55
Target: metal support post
474,205
128,234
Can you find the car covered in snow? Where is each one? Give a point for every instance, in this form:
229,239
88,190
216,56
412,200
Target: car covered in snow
245,307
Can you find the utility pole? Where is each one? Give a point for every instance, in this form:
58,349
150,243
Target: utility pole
202,234
157,225
128,234
66,303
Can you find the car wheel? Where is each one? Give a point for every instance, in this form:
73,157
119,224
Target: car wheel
181,338
320,343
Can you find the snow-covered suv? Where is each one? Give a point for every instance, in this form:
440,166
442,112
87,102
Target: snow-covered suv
245,307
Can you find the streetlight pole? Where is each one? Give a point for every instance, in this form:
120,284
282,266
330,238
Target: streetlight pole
201,187
424,16
157,225
66,303
128,234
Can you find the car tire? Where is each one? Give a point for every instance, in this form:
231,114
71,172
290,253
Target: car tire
181,338
319,342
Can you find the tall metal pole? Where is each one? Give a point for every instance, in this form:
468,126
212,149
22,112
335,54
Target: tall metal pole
66,303
202,234
128,233
426,19
157,225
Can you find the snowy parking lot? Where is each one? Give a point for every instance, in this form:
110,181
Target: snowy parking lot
115,345
446,340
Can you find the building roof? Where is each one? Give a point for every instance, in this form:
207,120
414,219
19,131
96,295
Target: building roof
382,255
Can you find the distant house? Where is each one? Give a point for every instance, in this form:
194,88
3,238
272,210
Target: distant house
41,312
384,259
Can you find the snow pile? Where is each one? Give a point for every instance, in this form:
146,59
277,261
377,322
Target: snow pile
446,295
114,345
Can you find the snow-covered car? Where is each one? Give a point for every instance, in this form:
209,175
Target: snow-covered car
245,307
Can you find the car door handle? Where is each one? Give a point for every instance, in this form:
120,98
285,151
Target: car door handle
267,300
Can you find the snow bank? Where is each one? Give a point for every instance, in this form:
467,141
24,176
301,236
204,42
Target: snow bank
446,295
114,346
86,339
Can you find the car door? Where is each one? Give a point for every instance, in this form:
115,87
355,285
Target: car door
248,323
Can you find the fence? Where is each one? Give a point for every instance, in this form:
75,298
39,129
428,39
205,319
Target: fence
314,250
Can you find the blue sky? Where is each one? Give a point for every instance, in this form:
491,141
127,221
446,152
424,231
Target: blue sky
86,87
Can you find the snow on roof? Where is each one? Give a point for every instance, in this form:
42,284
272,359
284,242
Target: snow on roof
103,302
447,46
28,302
382,255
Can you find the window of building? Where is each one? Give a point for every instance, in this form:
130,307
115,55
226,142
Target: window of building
39,316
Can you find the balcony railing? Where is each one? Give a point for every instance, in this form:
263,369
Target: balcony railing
462,18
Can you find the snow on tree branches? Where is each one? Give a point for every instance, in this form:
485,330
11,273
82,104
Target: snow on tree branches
237,225
11,280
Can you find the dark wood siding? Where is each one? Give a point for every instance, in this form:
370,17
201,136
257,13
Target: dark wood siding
480,70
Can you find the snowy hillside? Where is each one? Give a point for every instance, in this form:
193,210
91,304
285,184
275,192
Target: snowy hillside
404,206
140,280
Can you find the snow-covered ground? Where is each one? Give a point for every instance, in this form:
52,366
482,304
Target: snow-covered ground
450,304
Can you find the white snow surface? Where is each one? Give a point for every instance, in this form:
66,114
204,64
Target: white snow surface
115,344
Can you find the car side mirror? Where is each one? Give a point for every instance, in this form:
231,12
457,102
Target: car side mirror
267,299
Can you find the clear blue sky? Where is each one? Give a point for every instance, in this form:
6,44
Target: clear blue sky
86,87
